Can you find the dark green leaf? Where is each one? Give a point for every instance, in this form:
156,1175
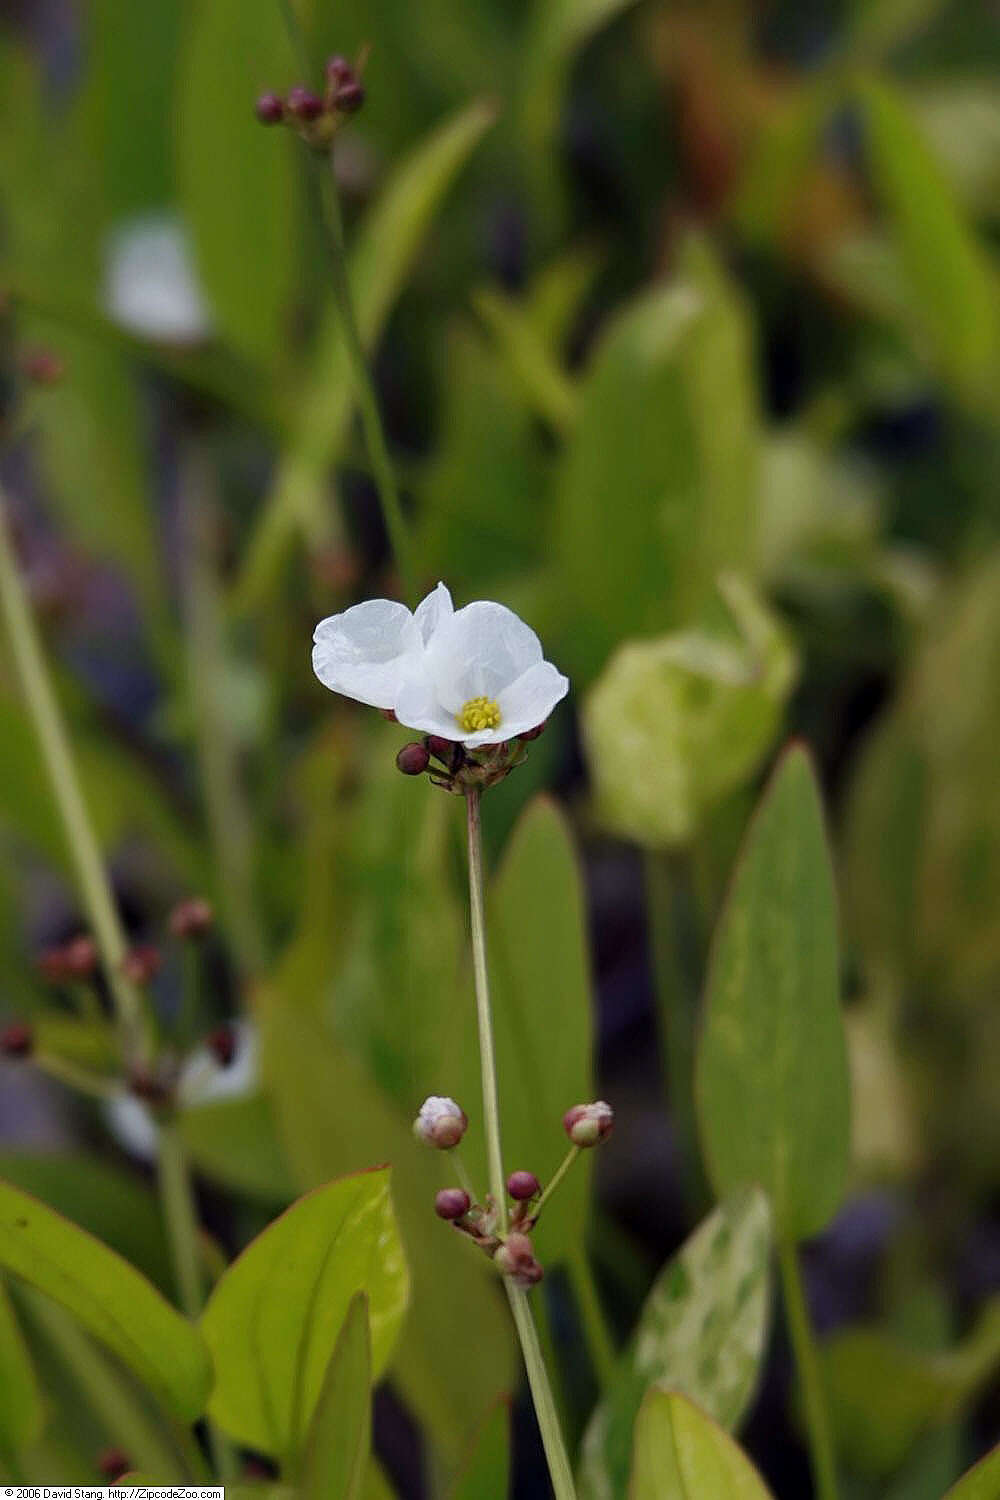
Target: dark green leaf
21,1412
982,1481
335,1462
485,1475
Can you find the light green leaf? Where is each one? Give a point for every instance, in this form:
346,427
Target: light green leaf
556,30
659,479
335,1461
379,265
240,186
273,1316
953,286
109,1297
235,1142
703,1329
376,1485
875,27
680,1454
673,725
771,1081
546,386
21,1410
485,1475
982,1482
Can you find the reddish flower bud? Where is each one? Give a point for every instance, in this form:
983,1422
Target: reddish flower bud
529,1275
338,69
304,104
349,96
81,957
515,1254
523,1185
452,1203
532,734
52,965
42,366
142,963
270,109
16,1039
222,1044
413,759
589,1124
113,1463
191,918
439,746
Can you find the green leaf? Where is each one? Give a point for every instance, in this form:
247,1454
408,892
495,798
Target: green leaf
771,1082
109,1297
659,479
703,1329
780,158
21,1410
953,286
982,1482
485,1475
274,1314
379,264
239,186
335,1461
680,1454
235,1142
673,725
546,386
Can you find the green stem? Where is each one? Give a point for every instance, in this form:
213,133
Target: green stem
563,1168
91,1084
595,1327
95,889
541,1392
807,1360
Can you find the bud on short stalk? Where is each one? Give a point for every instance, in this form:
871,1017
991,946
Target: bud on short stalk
589,1124
452,1203
441,1123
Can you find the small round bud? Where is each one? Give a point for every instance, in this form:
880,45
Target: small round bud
16,1039
338,69
81,957
589,1124
439,746
452,1203
441,1123
270,109
52,966
42,367
222,1044
349,96
515,1254
413,759
523,1185
113,1463
532,734
529,1275
304,104
142,963
191,918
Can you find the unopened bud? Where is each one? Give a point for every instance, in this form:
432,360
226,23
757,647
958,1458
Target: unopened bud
81,957
523,1185
529,1275
413,759
113,1463
16,1039
439,746
515,1254
589,1124
304,104
270,109
452,1203
222,1044
349,96
42,366
52,966
338,70
532,734
191,918
440,1123
142,963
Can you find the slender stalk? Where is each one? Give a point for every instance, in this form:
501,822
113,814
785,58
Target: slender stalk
807,1360
541,1392
91,1084
550,1187
595,1327
95,888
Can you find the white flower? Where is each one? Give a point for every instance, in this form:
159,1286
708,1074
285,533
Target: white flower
475,674
150,286
441,1123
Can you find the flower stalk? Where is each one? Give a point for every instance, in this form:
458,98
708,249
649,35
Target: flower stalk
806,1358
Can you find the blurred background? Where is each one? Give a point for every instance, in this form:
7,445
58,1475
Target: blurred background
684,328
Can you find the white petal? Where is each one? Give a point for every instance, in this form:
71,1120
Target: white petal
479,651
529,701
432,611
417,707
366,652
150,282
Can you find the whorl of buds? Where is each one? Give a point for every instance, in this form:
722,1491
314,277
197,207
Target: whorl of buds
142,963
589,1124
304,103
319,114
516,1258
452,1203
191,918
16,1039
413,759
441,1123
522,1186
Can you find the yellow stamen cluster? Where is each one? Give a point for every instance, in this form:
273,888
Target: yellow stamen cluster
478,713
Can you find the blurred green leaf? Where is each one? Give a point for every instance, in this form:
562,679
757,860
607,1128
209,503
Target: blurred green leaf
779,159
380,262
875,27
660,476
961,119
239,186
673,725
235,1142
982,1482
703,1329
485,1475
954,287
21,1410
335,1460
546,386
680,1454
109,1297
274,1314
883,1396
771,1083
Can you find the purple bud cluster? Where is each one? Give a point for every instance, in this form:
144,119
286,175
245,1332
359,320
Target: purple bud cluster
316,115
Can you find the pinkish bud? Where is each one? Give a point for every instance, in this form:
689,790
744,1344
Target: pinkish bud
349,96
304,104
413,760
142,963
439,746
81,957
523,1185
270,109
16,1039
112,1463
42,367
52,966
589,1124
191,918
452,1203
515,1254
529,1275
338,70
441,1123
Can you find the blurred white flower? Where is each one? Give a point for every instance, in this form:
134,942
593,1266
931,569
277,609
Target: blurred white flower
150,285
475,674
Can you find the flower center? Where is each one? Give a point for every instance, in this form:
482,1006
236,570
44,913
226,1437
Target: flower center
478,713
